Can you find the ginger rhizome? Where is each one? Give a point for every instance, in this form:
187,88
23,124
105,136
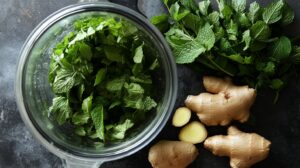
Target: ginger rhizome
224,102
244,149
194,132
172,154
181,117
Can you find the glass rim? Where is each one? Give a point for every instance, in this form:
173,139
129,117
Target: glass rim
84,7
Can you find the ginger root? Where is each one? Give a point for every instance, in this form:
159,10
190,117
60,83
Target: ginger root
181,117
244,149
172,154
194,133
224,103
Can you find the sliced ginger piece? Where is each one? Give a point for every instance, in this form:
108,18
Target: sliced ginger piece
223,102
194,132
244,149
172,154
181,117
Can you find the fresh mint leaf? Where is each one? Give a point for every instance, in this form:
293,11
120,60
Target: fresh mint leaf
225,10
288,15
254,12
176,14
143,79
206,36
115,85
97,115
238,5
138,54
80,118
118,131
114,54
281,49
260,31
243,20
277,84
189,4
149,103
87,104
246,39
161,22
204,6
80,131
232,30
134,89
193,22
273,12
61,109
64,81
100,76
85,51
214,18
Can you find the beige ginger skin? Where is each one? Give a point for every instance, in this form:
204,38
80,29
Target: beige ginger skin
172,154
224,102
244,149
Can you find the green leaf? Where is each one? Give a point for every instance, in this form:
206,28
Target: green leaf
269,68
214,18
134,89
118,131
232,30
85,51
144,79
149,103
246,39
225,10
161,22
240,59
80,118
288,15
176,14
80,131
260,31
80,91
238,5
61,108
115,85
206,37
138,55
154,65
156,20
188,52
64,81
243,20
97,115
277,84
100,76
204,6
189,4
87,104
273,12
114,53
254,12
193,22
281,49
115,104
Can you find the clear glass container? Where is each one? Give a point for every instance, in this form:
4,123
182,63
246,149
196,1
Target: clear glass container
34,96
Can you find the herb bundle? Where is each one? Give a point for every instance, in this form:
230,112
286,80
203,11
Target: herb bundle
246,43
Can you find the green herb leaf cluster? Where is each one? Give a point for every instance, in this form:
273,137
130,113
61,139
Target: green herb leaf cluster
245,42
101,74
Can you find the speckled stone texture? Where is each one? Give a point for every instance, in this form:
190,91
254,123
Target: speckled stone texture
279,122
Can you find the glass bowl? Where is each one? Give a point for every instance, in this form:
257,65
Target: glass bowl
34,95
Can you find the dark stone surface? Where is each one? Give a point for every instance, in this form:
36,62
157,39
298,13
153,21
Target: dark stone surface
280,123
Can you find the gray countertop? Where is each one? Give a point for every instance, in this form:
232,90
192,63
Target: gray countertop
18,149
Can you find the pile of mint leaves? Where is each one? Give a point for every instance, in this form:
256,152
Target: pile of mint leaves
101,74
236,39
